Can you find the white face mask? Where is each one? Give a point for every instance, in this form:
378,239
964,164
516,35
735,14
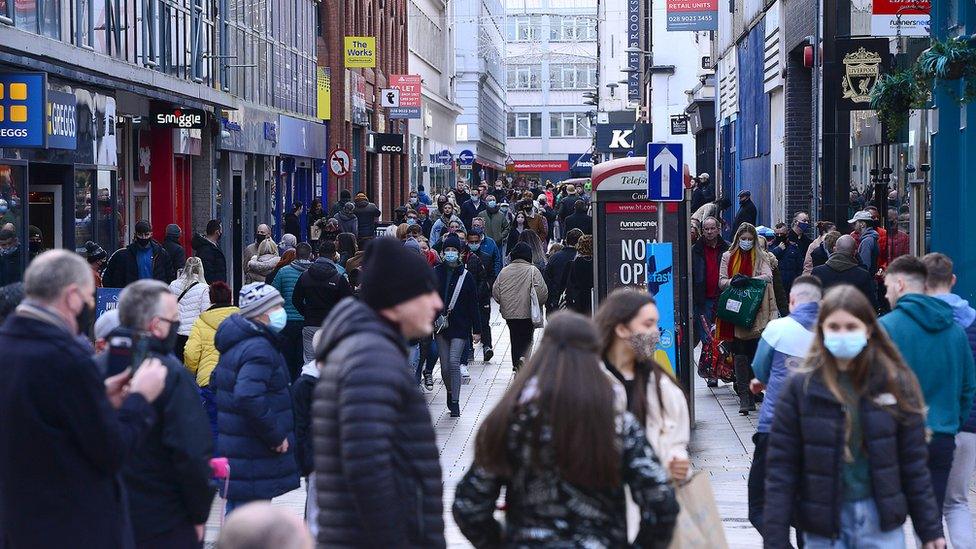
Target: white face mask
745,245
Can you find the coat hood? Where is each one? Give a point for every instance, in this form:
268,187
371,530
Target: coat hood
932,314
806,315
322,270
841,262
213,317
236,329
352,317
301,265
962,313
343,216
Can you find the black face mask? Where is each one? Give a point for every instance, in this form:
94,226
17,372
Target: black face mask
143,242
258,237
34,247
166,345
85,318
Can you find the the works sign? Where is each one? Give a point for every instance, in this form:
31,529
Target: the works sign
186,119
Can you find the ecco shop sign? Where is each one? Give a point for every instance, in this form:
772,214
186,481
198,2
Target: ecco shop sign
186,119
384,143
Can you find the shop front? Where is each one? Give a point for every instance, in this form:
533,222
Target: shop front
301,175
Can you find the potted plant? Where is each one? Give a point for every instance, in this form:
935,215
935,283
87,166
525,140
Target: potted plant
895,94
949,60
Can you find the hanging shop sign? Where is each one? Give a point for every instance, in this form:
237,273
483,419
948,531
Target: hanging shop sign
187,119
581,164
357,88
389,98
384,143
633,41
62,120
323,93
409,87
22,110
858,66
900,17
360,51
692,15
679,125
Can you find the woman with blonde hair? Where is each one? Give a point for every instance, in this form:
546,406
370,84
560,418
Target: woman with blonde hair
261,264
193,297
744,260
847,460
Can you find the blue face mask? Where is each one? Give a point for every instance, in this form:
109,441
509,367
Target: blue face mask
277,320
474,247
411,221
845,345
452,257
491,203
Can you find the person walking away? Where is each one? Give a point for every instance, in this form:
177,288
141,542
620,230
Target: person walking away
579,279
958,516
511,291
262,524
167,478
143,259
62,422
263,233
293,225
868,249
706,258
193,297
567,206
538,249
285,281
287,256
320,288
809,260
937,350
738,265
254,417
579,219
366,214
563,449
490,261
846,459
207,248
789,255
782,298
461,314
712,209
557,270
171,243
821,250
288,242
377,471
348,221
842,268
782,349
96,257
201,355
747,211
344,197
262,263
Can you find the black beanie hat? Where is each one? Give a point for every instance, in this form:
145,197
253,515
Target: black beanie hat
393,274
451,241
522,251
94,252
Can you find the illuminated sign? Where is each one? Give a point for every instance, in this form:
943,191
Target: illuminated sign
22,110
187,119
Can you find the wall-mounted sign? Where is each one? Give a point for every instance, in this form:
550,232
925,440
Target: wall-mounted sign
619,138
692,15
466,158
187,119
679,125
542,165
581,164
633,41
357,88
445,157
410,88
911,18
22,109
323,93
62,120
360,51
389,98
859,64
339,163
384,143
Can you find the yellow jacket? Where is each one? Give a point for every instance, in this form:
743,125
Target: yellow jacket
200,354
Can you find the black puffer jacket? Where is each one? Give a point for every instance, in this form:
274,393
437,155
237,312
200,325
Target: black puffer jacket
318,290
805,463
378,474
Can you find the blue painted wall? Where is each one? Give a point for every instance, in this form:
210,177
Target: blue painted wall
753,124
954,162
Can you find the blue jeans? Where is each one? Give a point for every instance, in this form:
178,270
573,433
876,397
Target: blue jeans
209,399
859,529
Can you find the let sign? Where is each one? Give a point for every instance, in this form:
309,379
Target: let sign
409,87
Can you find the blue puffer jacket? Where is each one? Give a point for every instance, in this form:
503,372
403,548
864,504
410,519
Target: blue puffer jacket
254,413
965,316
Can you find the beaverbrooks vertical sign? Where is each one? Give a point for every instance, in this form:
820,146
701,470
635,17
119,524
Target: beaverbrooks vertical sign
633,41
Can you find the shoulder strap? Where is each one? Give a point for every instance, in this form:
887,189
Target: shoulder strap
457,291
187,289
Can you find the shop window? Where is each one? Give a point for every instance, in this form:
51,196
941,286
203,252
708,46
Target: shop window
108,217
11,217
7,11
84,220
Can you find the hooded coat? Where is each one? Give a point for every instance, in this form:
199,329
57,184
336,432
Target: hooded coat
348,222
285,282
841,268
366,213
259,267
938,351
194,298
378,475
177,255
965,316
512,288
254,414
747,214
318,290
200,354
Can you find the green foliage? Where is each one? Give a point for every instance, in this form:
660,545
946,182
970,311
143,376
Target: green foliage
895,94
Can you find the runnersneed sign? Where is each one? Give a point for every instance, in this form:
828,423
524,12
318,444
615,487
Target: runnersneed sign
360,51
692,15
911,16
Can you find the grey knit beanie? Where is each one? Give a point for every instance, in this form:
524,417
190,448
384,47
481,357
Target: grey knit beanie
258,298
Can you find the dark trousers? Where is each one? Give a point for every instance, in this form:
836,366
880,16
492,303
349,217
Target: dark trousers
757,485
181,537
180,346
292,347
521,331
941,448
428,355
705,308
486,342
743,351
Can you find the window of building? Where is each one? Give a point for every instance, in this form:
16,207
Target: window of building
569,124
572,28
580,76
524,28
524,124
523,77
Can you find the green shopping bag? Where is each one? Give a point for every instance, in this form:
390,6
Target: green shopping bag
740,305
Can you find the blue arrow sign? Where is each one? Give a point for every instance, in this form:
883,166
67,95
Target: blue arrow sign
445,157
466,158
664,181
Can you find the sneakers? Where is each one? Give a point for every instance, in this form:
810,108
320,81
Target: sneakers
488,354
428,381
465,374
455,409
712,382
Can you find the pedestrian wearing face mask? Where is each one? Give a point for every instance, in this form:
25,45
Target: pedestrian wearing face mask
143,259
847,459
96,257
740,263
167,478
263,233
462,314
255,422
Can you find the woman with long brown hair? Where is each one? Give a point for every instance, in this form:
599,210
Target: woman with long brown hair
563,450
847,459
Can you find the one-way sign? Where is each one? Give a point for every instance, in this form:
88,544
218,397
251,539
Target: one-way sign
664,180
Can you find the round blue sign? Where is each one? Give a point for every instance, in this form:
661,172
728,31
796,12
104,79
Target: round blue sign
445,157
466,157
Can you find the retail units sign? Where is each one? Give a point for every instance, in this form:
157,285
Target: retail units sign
360,51
692,15
410,88
900,17
22,109
339,163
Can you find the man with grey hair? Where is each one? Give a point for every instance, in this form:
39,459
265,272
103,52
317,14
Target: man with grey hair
782,348
61,422
168,476
843,268
261,525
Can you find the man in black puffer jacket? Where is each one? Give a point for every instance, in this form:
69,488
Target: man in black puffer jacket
377,469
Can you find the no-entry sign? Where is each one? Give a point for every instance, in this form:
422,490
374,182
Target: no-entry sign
339,163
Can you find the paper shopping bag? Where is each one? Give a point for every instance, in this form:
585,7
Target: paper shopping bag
698,525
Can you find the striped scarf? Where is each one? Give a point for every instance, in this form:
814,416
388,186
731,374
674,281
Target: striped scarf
739,263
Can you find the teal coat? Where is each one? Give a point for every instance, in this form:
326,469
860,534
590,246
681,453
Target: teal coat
285,282
937,350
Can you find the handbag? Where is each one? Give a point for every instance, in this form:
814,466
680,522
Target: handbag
699,525
187,289
739,305
441,322
536,308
